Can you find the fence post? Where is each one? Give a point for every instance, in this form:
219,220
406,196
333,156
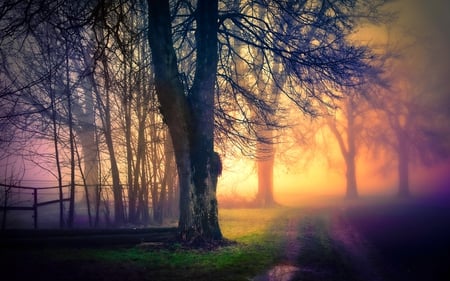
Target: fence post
35,206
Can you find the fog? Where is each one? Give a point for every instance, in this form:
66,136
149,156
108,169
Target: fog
299,185
133,153
420,34
304,173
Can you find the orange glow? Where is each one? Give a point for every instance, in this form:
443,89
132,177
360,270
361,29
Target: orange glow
320,181
421,27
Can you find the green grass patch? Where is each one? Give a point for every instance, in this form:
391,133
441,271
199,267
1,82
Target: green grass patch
258,233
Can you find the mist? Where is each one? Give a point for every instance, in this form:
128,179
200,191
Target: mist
225,140
311,166
421,41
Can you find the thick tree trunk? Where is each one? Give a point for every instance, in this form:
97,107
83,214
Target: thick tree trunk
350,174
190,119
265,164
202,134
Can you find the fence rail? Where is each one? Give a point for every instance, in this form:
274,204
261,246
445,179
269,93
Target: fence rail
85,206
36,204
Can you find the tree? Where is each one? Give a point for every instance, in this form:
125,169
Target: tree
349,126
269,70
314,55
411,111
410,123
107,62
347,146
190,119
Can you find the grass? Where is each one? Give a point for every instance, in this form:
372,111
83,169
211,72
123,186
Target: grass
321,257
259,233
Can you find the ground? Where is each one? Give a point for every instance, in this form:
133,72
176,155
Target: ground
366,240
409,238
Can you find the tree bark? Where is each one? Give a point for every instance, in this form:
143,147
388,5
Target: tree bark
190,119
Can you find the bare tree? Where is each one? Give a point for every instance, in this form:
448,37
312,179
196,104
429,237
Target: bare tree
312,49
347,130
409,126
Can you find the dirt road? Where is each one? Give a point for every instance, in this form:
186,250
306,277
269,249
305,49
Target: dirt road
397,240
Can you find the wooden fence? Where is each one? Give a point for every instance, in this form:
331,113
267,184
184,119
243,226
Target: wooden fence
34,207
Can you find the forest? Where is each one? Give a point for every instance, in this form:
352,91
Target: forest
134,111
224,140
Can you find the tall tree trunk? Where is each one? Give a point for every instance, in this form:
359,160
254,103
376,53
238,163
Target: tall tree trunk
206,218
352,189
130,162
71,139
347,148
403,164
86,192
157,185
170,176
105,106
190,121
89,138
265,149
144,200
119,215
87,134
142,117
350,174
265,163
56,147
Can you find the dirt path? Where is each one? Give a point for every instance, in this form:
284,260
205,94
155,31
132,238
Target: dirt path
356,248
292,249
288,268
